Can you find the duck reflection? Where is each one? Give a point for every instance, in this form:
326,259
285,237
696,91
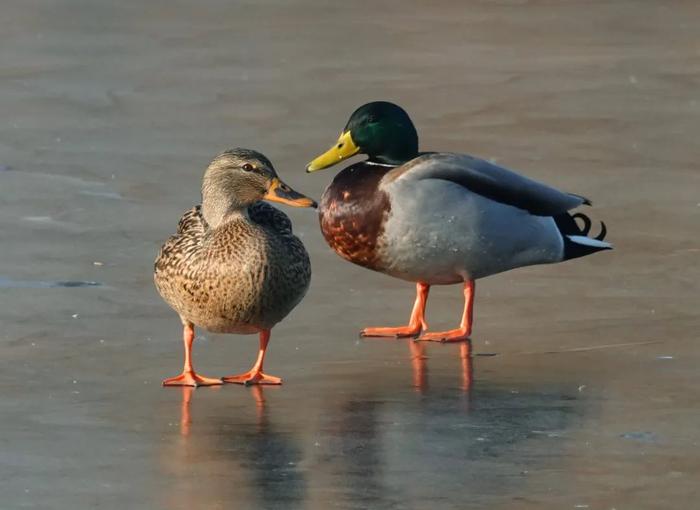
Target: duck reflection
269,454
419,363
379,444
185,416
256,391
232,457
385,446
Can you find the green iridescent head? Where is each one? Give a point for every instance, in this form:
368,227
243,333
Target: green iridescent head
381,130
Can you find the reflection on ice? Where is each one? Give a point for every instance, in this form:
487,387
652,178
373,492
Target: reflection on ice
365,446
419,363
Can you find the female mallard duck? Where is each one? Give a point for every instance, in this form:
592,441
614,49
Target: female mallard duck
439,218
234,265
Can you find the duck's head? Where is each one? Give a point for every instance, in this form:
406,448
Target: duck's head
238,178
381,130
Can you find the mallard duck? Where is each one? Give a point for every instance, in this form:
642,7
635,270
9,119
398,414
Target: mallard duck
439,218
234,265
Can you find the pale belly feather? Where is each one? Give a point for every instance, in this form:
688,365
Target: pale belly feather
442,233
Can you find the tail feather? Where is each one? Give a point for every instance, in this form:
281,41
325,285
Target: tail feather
586,222
585,200
603,231
576,240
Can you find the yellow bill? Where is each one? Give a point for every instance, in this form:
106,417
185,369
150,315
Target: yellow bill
343,149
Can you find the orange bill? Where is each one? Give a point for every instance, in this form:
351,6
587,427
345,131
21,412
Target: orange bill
280,192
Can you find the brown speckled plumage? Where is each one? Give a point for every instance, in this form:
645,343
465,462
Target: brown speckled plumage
244,275
234,265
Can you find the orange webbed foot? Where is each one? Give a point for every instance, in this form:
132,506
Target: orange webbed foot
191,379
398,332
416,323
453,335
252,377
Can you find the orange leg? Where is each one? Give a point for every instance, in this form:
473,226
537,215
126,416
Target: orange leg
255,375
465,327
416,324
189,377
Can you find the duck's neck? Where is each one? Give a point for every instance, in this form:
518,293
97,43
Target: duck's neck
397,148
393,159
219,208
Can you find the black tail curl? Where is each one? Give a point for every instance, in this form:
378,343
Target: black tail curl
569,226
587,226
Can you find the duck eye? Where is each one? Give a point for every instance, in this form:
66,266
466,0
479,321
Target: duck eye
248,167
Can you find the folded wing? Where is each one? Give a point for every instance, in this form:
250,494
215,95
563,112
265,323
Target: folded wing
491,181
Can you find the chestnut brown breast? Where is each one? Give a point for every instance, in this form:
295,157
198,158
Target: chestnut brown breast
353,211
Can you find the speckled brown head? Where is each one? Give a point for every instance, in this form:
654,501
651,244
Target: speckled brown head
238,178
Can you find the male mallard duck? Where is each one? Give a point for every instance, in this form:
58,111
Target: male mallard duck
234,265
439,218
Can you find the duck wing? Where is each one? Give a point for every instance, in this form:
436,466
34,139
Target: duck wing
192,223
266,215
191,230
491,181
